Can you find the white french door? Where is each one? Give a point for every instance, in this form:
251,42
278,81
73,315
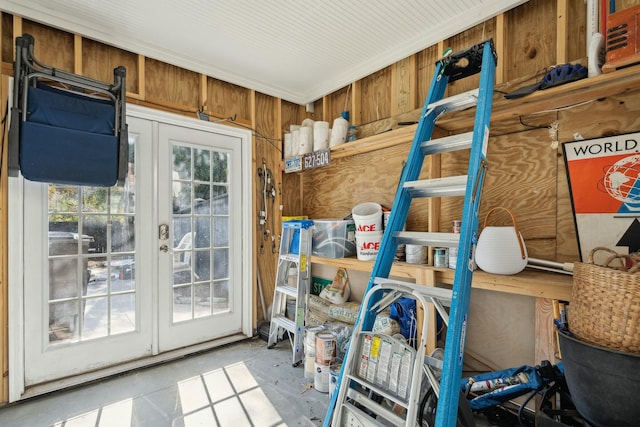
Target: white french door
87,285
199,202
122,274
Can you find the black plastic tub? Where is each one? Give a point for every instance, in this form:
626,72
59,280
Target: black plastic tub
604,384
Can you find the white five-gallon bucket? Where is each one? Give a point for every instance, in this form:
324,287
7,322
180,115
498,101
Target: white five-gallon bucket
367,217
368,244
416,254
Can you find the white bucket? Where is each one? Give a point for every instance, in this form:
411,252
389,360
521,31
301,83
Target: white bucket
321,377
309,366
338,132
416,254
368,244
320,135
367,216
305,140
288,145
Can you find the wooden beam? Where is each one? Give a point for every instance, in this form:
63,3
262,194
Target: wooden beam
325,110
17,30
141,77
254,245
356,103
77,54
204,96
562,32
404,78
545,347
500,44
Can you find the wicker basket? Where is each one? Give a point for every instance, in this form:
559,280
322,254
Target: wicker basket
605,302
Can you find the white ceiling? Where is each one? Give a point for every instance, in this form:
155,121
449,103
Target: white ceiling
297,50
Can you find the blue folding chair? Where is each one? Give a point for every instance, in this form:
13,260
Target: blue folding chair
66,128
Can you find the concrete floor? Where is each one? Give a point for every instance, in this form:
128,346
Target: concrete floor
241,384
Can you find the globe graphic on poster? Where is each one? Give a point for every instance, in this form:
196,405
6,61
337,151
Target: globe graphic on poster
622,181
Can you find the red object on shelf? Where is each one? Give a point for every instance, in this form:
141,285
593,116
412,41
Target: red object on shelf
622,39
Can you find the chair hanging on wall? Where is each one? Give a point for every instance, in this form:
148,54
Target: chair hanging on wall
66,128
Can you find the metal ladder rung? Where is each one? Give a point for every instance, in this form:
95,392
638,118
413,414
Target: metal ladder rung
290,257
351,413
447,144
458,102
438,187
374,407
443,294
287,290
284,323
449,240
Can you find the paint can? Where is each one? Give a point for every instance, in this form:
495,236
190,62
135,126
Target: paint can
321,377
325,348
440,257
310,350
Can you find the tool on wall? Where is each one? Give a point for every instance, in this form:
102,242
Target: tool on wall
267,200
356,400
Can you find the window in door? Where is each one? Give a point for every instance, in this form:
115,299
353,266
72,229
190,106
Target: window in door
201,272
92,286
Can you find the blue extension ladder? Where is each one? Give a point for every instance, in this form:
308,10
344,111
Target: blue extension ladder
479,58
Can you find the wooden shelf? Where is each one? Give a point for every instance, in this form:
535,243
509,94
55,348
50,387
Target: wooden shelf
529,282
605,85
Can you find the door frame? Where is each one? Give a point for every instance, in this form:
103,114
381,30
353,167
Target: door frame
16,257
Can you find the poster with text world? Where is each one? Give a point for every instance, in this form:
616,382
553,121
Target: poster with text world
604,180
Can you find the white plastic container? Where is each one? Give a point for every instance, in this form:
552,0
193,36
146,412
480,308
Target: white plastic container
305,140
367,217
321,377
416,254
368,244
339,132
320,135
333,238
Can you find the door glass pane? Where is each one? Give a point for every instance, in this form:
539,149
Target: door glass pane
200,232
91,233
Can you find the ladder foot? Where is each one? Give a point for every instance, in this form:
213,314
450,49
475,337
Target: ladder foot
270,346
296,364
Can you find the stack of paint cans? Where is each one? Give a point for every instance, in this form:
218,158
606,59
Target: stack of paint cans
325,356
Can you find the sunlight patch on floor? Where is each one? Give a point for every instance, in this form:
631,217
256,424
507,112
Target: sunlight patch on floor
226,397
115,414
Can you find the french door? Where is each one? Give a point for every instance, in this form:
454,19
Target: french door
199,245
117,274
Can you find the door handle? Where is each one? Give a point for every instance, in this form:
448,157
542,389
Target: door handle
164,248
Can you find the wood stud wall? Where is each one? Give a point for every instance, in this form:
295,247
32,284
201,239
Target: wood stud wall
526,172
